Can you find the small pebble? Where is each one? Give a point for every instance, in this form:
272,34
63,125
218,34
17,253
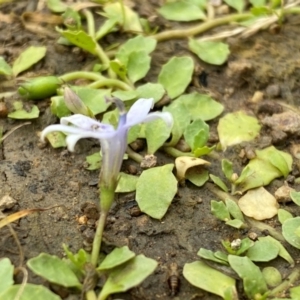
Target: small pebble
257,97
7,202
283,193
273,90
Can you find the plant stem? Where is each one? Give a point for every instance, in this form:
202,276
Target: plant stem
133,155
90,22
286,284
90,295
81,75
105,61
110,83
177,153
183,33
98,238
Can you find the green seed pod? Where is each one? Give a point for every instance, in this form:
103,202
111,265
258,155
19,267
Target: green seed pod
39,88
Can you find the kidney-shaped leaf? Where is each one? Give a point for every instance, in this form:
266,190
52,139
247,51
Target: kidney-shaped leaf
128,275
204,277
31,291
289,228
176,75
6,274
215,53
54,270
155,190
117,257
263,250
237,127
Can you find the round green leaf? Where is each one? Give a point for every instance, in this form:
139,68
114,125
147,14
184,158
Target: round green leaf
155,190
31,291
200,106
237,127
272,276
6,274
289,228
117,257
54,270
126,183
151,90
176,75
182,11
263,250
204,277
128,275
284,215
138,65
28,58
215,53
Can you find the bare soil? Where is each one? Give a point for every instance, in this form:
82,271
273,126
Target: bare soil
44,177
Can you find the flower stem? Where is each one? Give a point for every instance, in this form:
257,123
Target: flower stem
90,22
177,153
110,83
98,238
81,75
183,33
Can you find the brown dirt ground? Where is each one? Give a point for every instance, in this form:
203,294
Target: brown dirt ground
45,177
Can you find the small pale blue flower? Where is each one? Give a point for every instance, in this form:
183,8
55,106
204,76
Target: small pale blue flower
113,141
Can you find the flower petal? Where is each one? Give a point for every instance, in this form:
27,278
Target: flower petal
166,116
139,111
86,123
77,131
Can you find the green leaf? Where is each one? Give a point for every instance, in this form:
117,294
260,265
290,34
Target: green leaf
263,172
181,119
295,292
54,270
128,275
236,223
56,6
119,68
234,209
254,282
263,250
196,134
295,196
218,181
94,99
215,53
27,58
127,183
57,139
6,274
126,95
203,151
176,75
227,169
197,176
208,254
107,27
93,161
22,114
236,4
127,18
245,244
156,132
81,39
237,127
288,231
272,276
182,11
201,106
151,90
278,161
284,215
138,65
204,277
155,190
58,107
78,259
219,210
136,44
116,258
258,2
5,68
30,291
